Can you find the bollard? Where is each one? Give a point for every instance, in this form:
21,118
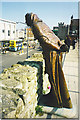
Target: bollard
22,51
19,53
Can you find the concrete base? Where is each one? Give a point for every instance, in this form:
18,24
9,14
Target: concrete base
64,112
71,47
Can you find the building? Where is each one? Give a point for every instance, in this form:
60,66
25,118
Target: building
28,34
72,30
7,30
55,30
63,30
20,34
74,27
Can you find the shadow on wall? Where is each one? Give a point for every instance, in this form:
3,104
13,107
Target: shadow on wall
39,66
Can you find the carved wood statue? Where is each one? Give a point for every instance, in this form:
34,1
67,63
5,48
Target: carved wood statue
52,49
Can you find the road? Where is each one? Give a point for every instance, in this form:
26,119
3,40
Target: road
10,58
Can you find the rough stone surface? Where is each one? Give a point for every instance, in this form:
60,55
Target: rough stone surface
21,87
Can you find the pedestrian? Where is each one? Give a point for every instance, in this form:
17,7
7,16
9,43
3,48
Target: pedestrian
73,44
68,42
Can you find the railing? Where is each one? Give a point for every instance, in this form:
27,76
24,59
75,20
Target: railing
64,56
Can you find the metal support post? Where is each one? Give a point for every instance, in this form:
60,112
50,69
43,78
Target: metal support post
27,40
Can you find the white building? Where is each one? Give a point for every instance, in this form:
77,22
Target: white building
7,30
20,33
28,34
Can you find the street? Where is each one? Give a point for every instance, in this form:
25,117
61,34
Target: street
10,58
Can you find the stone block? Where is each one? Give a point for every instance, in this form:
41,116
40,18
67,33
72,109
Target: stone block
22,85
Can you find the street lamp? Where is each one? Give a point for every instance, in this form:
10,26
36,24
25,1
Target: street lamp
20,22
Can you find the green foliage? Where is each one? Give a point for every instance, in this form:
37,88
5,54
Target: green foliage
44,92
39,110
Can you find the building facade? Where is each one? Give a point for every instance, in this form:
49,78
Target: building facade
20,34
63,30
7,30
28,34
74,27
55,30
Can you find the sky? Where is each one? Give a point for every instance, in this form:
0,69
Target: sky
51,13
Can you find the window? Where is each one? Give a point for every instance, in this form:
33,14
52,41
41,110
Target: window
8,32
3,31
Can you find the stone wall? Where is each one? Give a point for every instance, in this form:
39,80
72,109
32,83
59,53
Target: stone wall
22,85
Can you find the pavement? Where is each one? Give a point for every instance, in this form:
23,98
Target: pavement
70,68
